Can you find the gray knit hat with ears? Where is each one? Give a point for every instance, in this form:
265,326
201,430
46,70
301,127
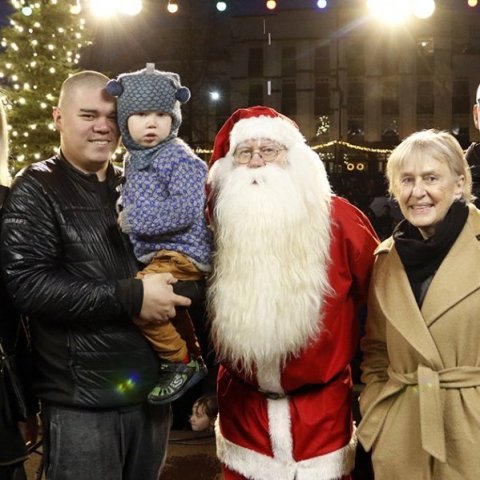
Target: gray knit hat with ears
148,90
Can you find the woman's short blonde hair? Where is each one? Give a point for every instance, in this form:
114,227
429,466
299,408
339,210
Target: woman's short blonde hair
441,146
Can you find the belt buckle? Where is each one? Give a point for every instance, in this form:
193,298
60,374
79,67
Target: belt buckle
272,395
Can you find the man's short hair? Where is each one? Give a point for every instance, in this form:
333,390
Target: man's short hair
86,78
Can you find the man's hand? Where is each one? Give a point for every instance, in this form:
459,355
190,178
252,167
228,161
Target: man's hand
159,301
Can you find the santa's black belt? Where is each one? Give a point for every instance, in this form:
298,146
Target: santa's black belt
308,388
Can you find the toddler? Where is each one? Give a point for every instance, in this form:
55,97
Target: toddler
162,209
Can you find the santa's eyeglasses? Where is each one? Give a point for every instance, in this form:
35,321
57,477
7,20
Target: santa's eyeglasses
267,154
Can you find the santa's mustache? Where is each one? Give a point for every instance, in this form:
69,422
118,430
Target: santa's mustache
267,176
258,194
258,176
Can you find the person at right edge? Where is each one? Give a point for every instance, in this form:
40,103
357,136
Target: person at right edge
421,364
473,152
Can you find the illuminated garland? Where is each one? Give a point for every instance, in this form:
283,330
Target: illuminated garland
384,151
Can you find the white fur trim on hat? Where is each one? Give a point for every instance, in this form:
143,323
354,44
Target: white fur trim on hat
274,128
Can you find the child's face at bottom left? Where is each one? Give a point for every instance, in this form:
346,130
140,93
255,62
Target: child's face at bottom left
199,420
148,129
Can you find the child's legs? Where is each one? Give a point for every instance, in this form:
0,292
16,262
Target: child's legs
166,261
165,340
172,341
184,325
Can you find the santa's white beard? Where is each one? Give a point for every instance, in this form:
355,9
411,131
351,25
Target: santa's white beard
272,232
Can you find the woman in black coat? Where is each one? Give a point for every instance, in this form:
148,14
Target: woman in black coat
13,444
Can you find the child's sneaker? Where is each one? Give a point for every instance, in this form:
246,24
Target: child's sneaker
176,379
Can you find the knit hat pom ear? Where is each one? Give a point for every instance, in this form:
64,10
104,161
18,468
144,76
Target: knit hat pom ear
114,88
182,94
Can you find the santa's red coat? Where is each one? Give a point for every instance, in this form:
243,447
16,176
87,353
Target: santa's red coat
309,434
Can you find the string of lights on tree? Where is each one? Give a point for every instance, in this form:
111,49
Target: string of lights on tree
40,46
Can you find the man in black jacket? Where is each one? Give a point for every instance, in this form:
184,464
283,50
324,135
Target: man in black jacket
70,269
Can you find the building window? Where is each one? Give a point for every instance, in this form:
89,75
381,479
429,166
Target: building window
355,58
425,98
255,94
355,129
322,61
389,97
356,98
289,62
390,138
461,102
322,98
255,62
425,58
389,62
289,99
222,106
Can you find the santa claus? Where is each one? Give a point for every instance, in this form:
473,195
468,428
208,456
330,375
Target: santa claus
291,268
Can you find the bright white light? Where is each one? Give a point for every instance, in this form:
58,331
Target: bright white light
271,4
423,8
76,9
27,10
103,9
221,6
322,4
172,6
391,11
130,7
215,96
472,3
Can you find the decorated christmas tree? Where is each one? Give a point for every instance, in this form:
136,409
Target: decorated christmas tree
39,49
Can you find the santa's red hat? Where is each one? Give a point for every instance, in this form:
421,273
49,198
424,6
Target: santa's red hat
252,123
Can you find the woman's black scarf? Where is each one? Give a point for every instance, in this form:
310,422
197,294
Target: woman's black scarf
422,257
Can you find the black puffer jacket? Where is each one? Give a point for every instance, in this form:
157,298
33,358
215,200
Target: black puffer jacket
12,445
69,268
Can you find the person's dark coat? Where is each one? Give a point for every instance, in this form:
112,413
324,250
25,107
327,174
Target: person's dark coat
69,268
12,446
